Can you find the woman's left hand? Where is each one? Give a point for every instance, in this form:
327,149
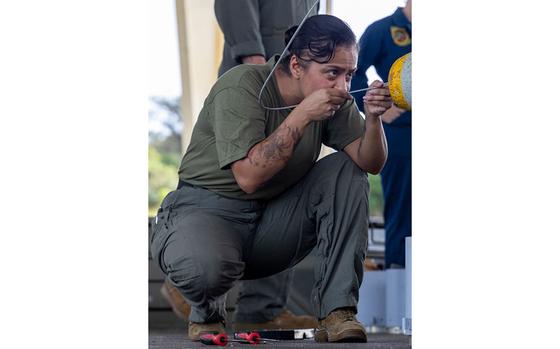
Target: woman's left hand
377,100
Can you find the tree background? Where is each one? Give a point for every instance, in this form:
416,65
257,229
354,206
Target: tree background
164,155
164,152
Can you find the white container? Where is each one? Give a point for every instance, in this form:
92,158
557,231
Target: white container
371,306
395,297
407,320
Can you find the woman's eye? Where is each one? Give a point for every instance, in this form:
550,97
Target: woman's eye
332,73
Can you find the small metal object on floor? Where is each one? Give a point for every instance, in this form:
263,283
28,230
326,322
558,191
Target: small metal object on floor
296,334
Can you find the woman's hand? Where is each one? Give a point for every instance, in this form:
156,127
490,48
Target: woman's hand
322,104
377,100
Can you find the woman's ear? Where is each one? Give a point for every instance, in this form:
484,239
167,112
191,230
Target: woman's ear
295,67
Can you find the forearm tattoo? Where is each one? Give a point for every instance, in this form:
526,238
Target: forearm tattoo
276,148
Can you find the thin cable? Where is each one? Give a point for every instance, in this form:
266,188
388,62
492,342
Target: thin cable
279,60
362,89
367,88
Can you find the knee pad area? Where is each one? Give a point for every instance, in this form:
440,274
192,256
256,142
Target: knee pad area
338,163
200,280
186,275
221,274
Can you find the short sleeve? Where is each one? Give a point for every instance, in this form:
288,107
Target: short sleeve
240,23
344,127
239,124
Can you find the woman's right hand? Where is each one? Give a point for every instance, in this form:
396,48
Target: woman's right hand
323,103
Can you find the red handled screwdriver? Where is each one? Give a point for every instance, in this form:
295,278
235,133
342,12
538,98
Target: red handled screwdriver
220,339
251,337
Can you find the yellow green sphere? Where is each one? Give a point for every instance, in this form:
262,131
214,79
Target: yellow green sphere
400,82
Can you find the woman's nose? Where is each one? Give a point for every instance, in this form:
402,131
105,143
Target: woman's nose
342,84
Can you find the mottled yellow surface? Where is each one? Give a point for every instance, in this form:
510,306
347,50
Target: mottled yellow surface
396,81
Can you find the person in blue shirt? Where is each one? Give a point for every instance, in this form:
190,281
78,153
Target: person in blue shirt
382,43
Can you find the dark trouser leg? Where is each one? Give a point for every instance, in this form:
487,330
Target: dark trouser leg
328,208
199,251
261,300
396,183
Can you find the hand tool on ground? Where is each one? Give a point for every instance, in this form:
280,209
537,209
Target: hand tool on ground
253,337
220,339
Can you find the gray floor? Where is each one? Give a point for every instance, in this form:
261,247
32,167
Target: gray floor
167,331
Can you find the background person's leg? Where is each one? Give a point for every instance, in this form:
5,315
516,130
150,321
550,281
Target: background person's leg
396,183
261,300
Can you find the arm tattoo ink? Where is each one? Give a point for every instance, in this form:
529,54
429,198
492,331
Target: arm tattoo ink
276,148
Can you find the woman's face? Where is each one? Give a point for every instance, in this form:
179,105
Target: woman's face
336,73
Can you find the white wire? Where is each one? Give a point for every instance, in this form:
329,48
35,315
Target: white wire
279,60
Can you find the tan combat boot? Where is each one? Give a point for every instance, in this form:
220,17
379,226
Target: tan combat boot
197,329
285,320
174,297
340,326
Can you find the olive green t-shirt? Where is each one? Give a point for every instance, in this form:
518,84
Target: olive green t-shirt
231,122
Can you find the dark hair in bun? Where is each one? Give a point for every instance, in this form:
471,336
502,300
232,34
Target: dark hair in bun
288,34
317,40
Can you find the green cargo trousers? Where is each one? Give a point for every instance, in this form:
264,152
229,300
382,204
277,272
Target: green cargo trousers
205,242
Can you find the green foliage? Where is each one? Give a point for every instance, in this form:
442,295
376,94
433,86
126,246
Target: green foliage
171,159
162,176
375,196
164,154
